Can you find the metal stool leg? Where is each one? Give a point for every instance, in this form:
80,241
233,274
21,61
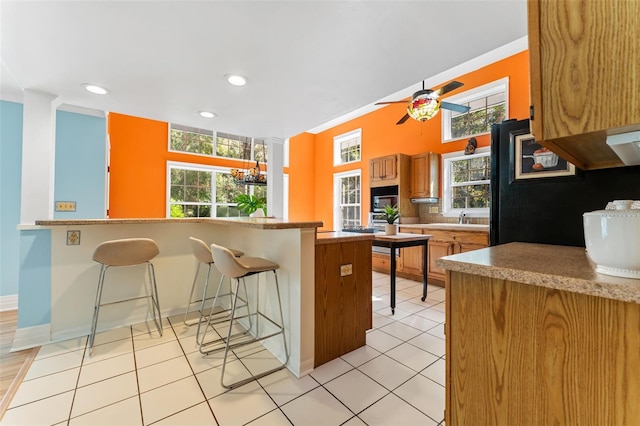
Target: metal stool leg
258,338
189,301
96,307
155,300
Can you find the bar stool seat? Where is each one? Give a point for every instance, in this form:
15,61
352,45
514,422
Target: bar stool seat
240,268
126,252
202,253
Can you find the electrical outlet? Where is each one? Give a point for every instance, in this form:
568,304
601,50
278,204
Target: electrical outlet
73,238
346,269
433,209
65,206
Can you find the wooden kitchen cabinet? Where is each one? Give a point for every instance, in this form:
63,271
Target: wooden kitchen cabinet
411,258
520,354
585,73
425,175
445,243
343,311
383,169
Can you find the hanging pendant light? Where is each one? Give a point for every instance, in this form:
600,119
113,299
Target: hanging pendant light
249,175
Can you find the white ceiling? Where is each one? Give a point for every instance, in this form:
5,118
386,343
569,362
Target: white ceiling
308,62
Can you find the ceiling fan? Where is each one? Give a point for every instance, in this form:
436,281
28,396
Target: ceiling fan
425,103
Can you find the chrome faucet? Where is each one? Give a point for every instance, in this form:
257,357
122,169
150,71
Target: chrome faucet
461,217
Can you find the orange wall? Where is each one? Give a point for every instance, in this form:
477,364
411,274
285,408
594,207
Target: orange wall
138,166
139,151
301,172
381,136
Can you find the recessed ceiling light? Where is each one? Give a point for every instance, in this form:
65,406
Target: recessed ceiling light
207,114
236,80
94,88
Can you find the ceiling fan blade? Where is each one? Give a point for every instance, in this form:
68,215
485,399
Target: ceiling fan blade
391,102
403,119
454,107
448,88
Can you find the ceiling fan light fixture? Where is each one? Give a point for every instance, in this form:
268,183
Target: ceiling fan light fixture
207,114
423,107
94,88
236,79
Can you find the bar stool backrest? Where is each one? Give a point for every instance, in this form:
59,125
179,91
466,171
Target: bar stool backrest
201,251
126,252
227,263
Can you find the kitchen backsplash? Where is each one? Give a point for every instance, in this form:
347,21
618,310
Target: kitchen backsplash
427,217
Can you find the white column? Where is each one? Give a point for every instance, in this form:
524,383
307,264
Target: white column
38,156
275,177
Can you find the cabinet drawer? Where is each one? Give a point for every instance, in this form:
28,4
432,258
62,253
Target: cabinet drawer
480,238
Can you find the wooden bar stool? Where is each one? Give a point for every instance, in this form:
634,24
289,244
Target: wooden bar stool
126,252
202,253
239,268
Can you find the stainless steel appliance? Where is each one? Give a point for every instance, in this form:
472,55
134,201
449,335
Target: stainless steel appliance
382,196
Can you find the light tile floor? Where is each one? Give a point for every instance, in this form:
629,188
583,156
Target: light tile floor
135,377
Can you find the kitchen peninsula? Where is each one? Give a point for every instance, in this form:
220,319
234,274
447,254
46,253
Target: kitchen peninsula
61,252
536,336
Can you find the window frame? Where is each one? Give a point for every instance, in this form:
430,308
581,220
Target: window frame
471,95
199,168
336,195
337,142
447,160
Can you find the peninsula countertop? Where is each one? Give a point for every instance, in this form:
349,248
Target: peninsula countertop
556,267
247,222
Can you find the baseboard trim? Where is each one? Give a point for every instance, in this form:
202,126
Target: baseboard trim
30,337
9,302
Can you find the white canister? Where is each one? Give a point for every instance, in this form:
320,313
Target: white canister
612,238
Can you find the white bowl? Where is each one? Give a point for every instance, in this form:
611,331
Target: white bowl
547,159
612,238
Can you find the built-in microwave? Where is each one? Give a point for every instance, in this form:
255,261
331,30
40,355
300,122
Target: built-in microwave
382,196
379,201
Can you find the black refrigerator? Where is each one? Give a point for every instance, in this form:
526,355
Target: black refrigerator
536,198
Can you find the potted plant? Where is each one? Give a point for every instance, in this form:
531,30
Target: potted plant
391,214
251,205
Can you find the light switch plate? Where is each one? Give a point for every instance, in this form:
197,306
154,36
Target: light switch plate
433,209
346,269
65,206
73,238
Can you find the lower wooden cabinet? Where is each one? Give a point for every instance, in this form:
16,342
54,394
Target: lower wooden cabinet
343,311
519,354
445,243
411,258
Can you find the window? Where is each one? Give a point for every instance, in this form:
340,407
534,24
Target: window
190,139
488,105
346,147
202,191
466,183
206,142
346,199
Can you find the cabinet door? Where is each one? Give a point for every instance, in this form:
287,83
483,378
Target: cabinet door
389,167
425,175
383,168
578,51
412,257
376,170
437,249
462,247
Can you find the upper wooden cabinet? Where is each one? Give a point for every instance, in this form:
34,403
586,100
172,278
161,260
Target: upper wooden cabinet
585,74
425,175
383,169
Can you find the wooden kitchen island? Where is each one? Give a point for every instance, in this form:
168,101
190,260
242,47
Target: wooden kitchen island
536,337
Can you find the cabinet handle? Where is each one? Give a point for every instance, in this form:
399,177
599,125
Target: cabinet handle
531,112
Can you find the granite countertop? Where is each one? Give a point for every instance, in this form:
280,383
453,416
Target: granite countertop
557,267
341,237
471,227
246,222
